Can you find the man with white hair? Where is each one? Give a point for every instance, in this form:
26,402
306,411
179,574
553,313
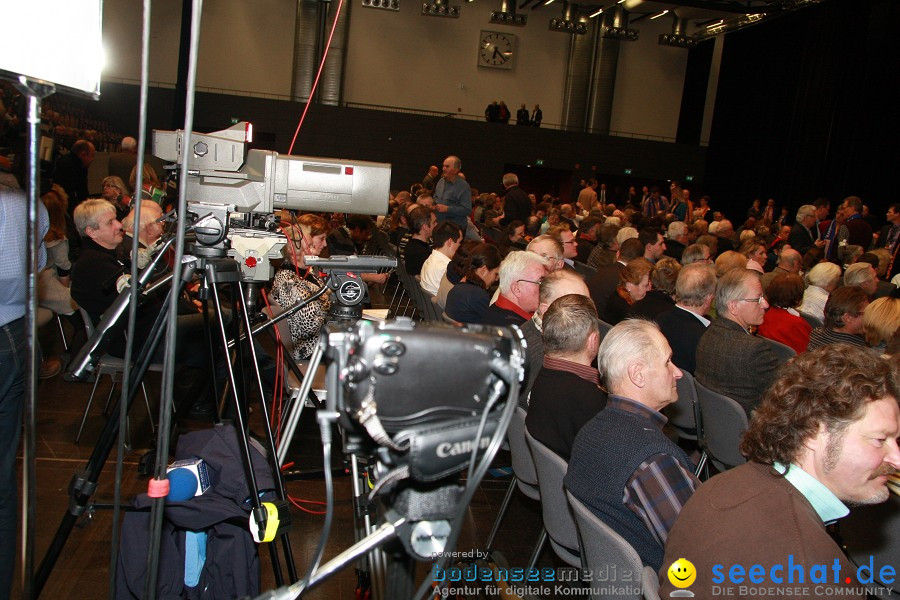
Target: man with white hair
676,240
803,234
623,468
521,274
686,322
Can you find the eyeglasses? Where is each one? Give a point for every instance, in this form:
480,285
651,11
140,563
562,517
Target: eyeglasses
538,282
759,300
556,258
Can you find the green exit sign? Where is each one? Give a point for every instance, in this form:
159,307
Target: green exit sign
628,171
539,162
688,177
235,120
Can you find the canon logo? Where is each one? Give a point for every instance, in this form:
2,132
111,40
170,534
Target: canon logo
446,449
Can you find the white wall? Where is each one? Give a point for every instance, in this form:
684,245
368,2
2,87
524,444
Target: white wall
400,58
649,82
406,59
244,44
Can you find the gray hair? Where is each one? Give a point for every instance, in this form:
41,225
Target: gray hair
514,266
553,281
824,275
676,228
694,254
695,283
632,340
732,286
129,144
805,211
510,179
87,214
626,233
568,323
146,217
859,273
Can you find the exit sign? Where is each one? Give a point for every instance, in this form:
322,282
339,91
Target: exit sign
628,171
539,162
235,120
688,177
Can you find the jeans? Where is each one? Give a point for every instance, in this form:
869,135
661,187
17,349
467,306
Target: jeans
12,393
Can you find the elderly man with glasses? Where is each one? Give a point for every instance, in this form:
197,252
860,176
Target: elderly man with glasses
521,274
731,360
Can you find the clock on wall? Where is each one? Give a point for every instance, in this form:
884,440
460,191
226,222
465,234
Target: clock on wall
496,49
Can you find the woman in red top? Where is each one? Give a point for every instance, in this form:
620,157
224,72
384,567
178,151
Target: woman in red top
782,322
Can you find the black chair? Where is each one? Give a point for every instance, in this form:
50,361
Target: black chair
784,353
723,423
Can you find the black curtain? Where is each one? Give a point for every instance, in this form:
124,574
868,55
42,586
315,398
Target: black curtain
807,107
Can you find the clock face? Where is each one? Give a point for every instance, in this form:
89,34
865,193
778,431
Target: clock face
496,49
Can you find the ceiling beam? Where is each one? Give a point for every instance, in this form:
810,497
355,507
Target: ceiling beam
731,6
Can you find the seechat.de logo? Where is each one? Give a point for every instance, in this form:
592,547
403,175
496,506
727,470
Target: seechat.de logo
681,575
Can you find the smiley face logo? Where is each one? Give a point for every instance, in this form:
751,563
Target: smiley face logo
682,573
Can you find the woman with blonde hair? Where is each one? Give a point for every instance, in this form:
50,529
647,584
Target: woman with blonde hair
880,322
115,191
294,282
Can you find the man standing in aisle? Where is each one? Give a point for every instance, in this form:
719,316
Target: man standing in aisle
452,194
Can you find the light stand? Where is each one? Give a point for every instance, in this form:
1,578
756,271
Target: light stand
35,91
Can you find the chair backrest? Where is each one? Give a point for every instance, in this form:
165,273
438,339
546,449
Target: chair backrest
551,470
522,463
682,414
724,421
603,548
784,353
283,327
812,320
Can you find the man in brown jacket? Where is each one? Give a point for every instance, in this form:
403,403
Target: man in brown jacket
824,435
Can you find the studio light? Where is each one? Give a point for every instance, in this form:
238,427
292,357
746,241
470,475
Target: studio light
621,33
507,18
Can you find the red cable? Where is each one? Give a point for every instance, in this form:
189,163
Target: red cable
312,92
296,503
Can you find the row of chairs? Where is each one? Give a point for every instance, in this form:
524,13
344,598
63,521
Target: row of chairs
577,536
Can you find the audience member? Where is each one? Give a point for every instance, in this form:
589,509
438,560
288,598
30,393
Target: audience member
843,319
468,301
520,280
604,253
695,253
755,253
587,239
821,280
566,393
115,190
453,194
121,163
782,322
295,282
686,322
604,282
677,239
824,436
804,234
661,296
654,243
555,284
445,240
422,221
516,204
14,207
623,468
789,263
149,230
730,359
550,249
862,275
881,322
728,261
71,172
634,283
